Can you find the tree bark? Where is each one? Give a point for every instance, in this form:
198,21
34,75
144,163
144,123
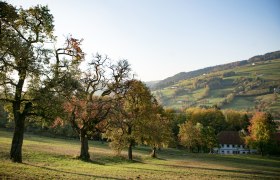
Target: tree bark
261,149
154,152
16,148
129,132
84,154
130,151
19,118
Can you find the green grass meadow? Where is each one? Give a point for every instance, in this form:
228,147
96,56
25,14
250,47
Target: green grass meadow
54,158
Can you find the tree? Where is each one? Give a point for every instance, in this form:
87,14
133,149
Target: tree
30,75
209,138
236,120
85,117
197,136
22,56
129,115
212,117
156,131
88,109
261,131
176,118
190,135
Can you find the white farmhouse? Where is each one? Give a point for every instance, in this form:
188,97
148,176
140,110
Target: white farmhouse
230,142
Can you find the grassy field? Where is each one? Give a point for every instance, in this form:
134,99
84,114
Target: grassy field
52,158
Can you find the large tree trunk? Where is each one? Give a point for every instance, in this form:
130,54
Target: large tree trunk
19,118
154,152
261,149
16,149
130,151
129,132
84,154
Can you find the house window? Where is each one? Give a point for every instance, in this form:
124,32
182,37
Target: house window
222,152
227,145
228,152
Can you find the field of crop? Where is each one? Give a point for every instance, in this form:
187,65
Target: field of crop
53,158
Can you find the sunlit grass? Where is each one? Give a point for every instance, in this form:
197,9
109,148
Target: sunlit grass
53,158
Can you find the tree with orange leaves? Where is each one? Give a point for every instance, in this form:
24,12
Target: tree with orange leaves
93,101
261,131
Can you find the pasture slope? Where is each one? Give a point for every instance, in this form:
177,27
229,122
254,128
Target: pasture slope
54,158
247,88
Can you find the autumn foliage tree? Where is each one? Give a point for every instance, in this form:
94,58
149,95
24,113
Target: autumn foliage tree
130,113
89,107
156,129
197,137
212,117
236,120
261,131
189,135
86,117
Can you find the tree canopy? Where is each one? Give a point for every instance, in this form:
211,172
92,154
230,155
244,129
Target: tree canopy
261,131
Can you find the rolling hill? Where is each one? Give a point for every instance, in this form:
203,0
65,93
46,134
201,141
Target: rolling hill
249,85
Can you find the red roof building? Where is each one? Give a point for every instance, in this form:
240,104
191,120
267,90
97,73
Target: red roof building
230,142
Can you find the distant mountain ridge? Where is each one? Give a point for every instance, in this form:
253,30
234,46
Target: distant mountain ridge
185,75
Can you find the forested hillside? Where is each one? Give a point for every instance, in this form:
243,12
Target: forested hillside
249,85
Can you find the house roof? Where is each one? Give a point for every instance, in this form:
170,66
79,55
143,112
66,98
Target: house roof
230,137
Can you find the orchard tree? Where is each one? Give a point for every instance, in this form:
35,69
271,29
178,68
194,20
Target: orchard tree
22,56
88,109
190,135
25,62
86,117
156,129
261,131
130,113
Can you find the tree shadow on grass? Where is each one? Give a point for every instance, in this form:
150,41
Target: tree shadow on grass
233,160
116,160
184,173
73,173
246,172
90,161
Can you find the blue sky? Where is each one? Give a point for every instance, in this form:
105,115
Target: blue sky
163,37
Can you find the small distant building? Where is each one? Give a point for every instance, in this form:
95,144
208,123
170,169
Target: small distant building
230,142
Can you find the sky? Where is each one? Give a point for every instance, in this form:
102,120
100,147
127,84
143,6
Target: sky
161,38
